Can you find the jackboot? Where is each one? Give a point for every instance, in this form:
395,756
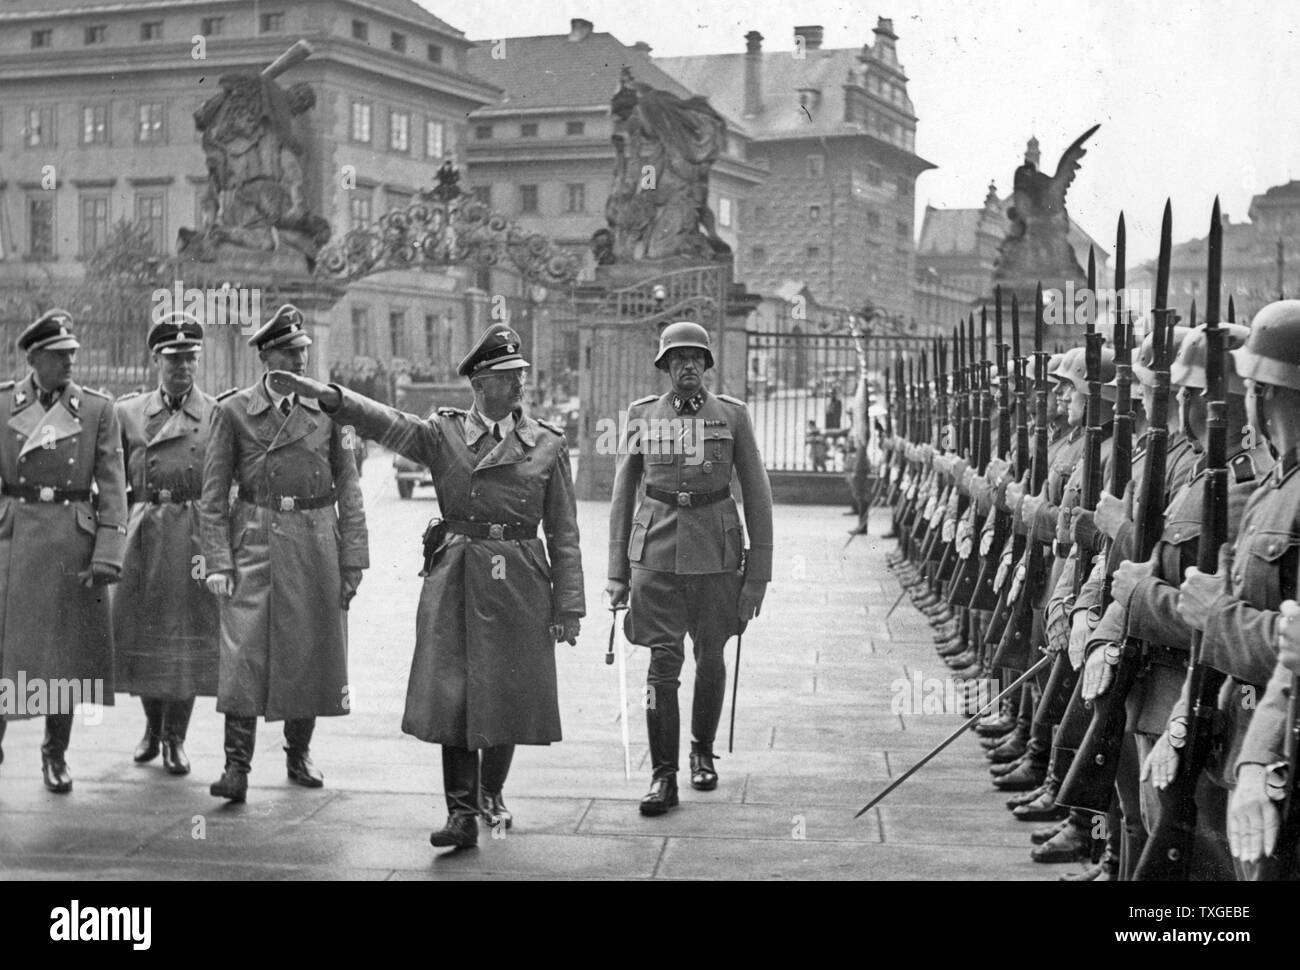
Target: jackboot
1026,777
945,630
297,752
963,659
663,728
241,737
1039,836
460,783
1024,798
147,749
1071,844
1106,869
972,671
1044,808
997,771
1012,748
952,647
703,777
176,724
54,769
495,767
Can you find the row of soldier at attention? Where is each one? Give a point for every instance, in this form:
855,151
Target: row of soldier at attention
108,506
1107,537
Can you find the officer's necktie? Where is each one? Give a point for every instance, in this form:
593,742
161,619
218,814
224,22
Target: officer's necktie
496,431
48,398
285,407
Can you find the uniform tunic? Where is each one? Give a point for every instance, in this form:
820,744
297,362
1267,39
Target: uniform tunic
52,627
165,622
283,633
483,673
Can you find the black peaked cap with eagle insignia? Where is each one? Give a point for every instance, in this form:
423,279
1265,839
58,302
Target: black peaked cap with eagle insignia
498,349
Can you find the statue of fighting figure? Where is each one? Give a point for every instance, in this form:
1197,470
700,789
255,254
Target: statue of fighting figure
256,157
658,205
1037,244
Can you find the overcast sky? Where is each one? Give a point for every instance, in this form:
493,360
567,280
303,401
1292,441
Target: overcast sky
1193,98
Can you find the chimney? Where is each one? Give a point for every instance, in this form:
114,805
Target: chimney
642,46
812,37
753,73
579,29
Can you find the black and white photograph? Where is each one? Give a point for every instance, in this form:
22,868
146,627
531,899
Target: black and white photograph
656,441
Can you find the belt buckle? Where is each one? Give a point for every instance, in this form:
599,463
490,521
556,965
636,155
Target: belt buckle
496,531
164,495
286,503
684,499
46,493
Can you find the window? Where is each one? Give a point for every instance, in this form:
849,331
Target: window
430,335
150,128
812,252
758,255
814,213
724,211
360,331
94,223
873,174
271,23
482,132
527,198
212,26
359,209
575,127
483,193
361,121
433,139
575,197
151,30
149,214
40,127
434,53
816,166
94,124
903,228
528,130
873,219
40,228
399,131
42,38
397,332
360,31
96,34
397,42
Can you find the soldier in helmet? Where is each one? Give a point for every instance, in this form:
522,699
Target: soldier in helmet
679,552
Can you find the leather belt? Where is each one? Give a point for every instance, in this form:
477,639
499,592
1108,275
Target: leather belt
167,496
45,493
491,530
1163,656
688,500
290,503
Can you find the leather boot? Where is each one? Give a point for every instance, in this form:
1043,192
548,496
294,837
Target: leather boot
297,752
147,749
1071,844
995,728
1012,748
945,631
176,724
495,767
952,647
1025,797
941,612
241,737
972,671
1039,836
703,777
460,782
1044,808
663,727
54,769
1106,869
1026,777
997,771
661,797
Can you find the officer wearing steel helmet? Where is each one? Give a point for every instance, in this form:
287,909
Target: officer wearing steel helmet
679,552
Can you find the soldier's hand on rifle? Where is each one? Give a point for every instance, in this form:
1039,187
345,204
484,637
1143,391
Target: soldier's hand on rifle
283,382
995,470
1083,528
1126,578
1113,512
220,584
1288,635
1099,670
1252,815
1029,507
616,590
1197,595
751,599
566,628
958,468
1081,628
350,579
1162,763
100,574
1064,535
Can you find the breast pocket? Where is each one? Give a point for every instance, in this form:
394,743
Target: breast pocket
719,448
660,451
640,526
1182,539
1259,570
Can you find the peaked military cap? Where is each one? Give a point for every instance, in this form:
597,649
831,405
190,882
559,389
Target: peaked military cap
52,330
498,349
176,333
287,328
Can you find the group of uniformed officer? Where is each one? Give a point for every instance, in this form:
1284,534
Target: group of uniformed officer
1239,615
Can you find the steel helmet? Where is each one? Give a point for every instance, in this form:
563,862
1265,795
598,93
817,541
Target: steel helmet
1054,365
1145,357
1188,368
1074,369
683,333
1272,353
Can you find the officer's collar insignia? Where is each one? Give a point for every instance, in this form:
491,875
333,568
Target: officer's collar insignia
688,404
20,397
712,423
74,404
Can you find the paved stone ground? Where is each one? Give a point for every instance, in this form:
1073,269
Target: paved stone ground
817,735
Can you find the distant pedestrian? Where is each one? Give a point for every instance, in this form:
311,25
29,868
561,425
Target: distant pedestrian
834,410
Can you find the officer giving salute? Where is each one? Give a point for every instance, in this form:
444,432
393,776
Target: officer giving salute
164,622
56,546
492,606
283,563
680,554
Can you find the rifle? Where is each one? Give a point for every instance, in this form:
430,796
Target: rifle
1168,852
1091,779
985,595
980,398
1277,865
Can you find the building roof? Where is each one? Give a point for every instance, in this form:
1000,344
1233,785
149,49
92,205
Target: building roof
1279,196
953,231
556,72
